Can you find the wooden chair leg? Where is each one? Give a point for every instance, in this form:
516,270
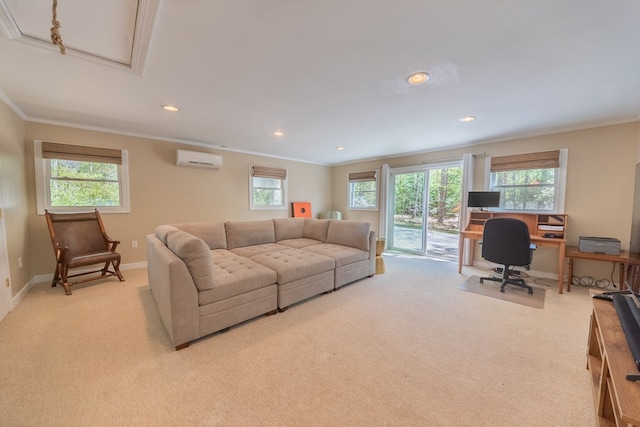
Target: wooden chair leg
105,269
64,271
116,268
56,276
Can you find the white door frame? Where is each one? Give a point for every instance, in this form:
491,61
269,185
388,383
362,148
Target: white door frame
5,277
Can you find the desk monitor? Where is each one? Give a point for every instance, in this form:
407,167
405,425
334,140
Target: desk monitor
483,199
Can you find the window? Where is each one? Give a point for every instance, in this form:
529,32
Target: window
532,182
268,188
363,190
72,178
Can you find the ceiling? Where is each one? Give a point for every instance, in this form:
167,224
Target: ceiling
328,73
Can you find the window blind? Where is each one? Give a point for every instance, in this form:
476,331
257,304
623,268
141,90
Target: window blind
363,176
540,160
53,150
267,172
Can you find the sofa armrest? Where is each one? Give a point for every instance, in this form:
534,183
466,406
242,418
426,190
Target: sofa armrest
372,252
175,292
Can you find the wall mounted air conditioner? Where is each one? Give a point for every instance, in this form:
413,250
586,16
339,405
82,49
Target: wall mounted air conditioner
198,159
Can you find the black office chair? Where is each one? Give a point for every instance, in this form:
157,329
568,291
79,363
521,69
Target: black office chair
507,241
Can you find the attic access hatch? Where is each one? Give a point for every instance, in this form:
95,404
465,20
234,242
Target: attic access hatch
198,159
115,32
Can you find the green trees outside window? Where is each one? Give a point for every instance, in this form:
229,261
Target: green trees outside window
526,190
444,190
363,194
83,184
267,192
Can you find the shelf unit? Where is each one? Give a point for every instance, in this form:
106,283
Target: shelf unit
616,400
539,224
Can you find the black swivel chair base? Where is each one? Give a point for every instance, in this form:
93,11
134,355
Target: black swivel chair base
507,280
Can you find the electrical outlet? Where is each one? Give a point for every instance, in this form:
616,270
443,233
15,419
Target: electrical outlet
134,244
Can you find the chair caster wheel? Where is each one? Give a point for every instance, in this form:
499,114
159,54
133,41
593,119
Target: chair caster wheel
481,282
502,291
530,291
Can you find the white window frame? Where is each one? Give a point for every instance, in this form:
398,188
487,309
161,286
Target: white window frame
350,183
43,195
559,192
285,193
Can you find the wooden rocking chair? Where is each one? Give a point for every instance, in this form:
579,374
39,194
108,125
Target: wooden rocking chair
80,240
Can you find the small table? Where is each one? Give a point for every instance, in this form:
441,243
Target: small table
380,244
622,259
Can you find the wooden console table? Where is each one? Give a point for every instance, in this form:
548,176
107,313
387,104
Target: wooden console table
540,225
623,260
617,400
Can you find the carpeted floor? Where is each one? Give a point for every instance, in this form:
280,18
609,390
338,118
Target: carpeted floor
404,348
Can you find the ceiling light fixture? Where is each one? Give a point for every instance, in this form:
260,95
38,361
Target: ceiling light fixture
418,78
171,108
278,133
339,148
468,119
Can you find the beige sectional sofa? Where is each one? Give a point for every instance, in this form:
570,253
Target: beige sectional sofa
207,277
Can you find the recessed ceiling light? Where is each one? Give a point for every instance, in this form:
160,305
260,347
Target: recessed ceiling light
418,78
171,108
468,119
339,148
278,133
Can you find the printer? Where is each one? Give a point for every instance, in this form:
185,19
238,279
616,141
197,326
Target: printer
599,245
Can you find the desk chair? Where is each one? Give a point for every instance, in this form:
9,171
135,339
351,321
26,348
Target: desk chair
507,241
80,240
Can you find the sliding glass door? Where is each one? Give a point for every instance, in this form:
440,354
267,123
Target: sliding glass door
424,210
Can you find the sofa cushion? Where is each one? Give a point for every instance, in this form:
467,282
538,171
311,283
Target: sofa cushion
316,229
288,228
212,233
343,255
249,233
349,233
235,275
196,255
162,231
249,251
299,243
295,264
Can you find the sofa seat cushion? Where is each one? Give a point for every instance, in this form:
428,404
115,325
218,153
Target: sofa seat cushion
343,255
294,264
250,251
299,243
235,275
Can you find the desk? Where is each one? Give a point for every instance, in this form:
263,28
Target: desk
624,259
539,241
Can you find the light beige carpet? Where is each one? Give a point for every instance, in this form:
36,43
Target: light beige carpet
404,348
513,294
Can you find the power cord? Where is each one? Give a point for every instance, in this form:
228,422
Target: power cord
591,282
586,281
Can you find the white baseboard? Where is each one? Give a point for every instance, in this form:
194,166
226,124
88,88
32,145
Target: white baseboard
49,277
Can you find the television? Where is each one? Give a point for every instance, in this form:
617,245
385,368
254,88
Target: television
483,199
